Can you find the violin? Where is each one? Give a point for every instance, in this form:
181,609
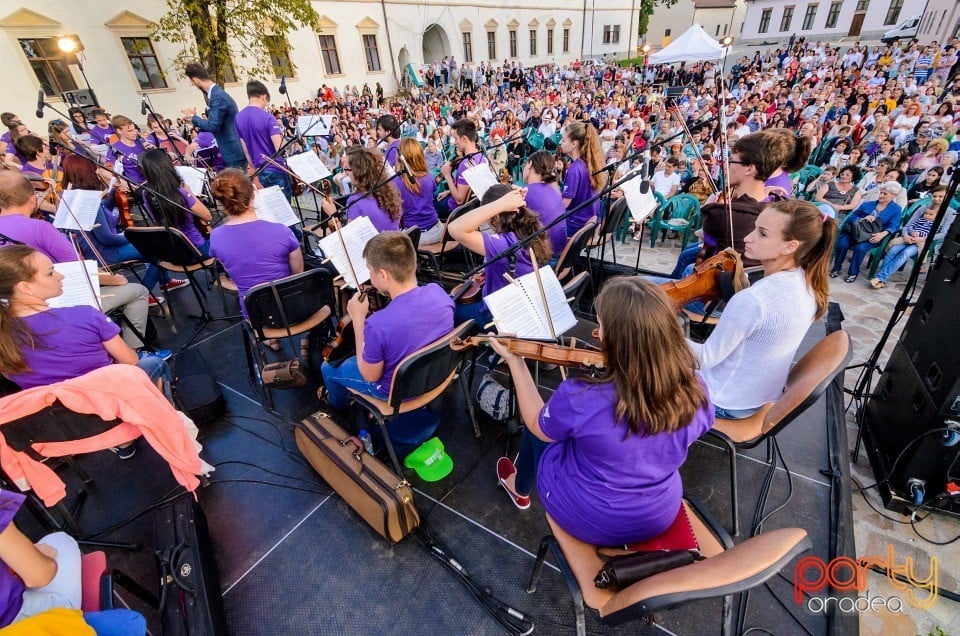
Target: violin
469,291
704,283
122,200
344,342
549,352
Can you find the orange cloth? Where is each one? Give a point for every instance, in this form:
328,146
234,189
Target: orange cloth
116,391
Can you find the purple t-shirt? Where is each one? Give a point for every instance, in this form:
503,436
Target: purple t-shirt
493,244
185,222
29,169
390,153
39,235
592,473
545,200
410,321
418,208
360,205
474,160
782,180
68,342
253,253
101,136
129,156
256,127
11,587
577,188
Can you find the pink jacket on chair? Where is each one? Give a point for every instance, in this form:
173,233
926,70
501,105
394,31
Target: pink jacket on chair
117,391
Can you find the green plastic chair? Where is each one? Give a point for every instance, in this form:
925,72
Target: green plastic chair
684,213
622,233
876,254
534,138
802,179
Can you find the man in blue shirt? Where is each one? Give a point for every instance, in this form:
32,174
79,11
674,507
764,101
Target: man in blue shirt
221,112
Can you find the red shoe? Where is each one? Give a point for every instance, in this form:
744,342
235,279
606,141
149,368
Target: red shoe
505,469
155,300
174,283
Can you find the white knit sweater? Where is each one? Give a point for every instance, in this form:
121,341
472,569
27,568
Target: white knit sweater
746,359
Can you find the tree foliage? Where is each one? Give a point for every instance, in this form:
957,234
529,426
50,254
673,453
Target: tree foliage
647,7
227,36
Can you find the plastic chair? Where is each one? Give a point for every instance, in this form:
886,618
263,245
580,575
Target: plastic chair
802,179
419,379
174,252
572,250
283,309
725,570
684,211
807,381
435,253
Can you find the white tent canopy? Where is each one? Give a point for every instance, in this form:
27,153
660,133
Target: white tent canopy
694,45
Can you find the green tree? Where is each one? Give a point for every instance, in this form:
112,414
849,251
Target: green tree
205,30
647,8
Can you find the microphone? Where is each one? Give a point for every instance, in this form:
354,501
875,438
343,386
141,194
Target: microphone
143,104
283,84
406,167
40,104
645,172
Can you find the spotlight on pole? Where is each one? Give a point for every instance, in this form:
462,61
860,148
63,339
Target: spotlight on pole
726,40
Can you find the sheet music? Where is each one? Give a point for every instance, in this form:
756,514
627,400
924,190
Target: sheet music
560,312
314,125
194,178
271,205
479,178
641,205
513,313
81,284
355,235
84,203
307,166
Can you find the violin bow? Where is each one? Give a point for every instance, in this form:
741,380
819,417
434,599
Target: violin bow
725,155
343,244
93,248
546,305
294,175
696,151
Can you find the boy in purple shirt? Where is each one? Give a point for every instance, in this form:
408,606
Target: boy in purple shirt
465,139
261,137
126,151
416,316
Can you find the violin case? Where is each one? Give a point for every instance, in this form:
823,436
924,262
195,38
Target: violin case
190,598
384,500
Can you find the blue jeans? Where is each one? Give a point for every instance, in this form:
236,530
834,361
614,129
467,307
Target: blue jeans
239,164
116,622
859,252
339,379
477,312
896,258
531,448
272,178
733,414
687,257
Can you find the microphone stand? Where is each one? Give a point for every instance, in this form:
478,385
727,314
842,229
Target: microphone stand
163,127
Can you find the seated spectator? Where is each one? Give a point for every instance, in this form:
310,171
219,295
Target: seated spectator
883,210
840,195
667,181
925,184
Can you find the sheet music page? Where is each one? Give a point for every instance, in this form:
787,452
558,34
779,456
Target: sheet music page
307,166
84,204
513,313
314,125
81,285
193,178
480,178
355,234
641,205
271,205
560,312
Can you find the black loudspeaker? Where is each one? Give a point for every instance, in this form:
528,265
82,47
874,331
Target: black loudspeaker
81,97
919,393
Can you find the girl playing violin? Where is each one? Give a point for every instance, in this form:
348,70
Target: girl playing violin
173,205
504,208
416,192
366,170
746,359
173,144
604,452
543,196
580,142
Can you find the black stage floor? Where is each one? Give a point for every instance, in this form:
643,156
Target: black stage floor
294,559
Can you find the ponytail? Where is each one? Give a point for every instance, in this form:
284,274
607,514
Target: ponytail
544,164
815,232
14,333
588,141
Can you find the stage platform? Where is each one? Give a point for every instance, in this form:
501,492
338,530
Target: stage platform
294,559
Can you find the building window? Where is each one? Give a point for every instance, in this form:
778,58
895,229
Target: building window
371,53
513,43
48,63
467,47
718,31
893,13
279,52
786,19
549,41
863,5
331,59
666,33
725,28
491,45
611,34
833,15
143,60
809,17
764,21
533,42
566,40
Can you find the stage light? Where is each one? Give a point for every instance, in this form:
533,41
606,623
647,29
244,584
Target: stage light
67,44
726,40
645,48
